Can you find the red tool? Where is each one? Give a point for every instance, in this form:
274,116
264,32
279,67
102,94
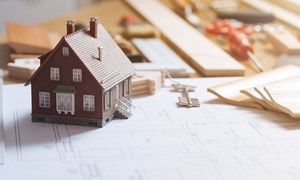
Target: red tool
236,38
239,43
223,27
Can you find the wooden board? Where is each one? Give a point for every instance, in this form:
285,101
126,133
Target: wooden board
280,13
292,5
199,51
25,39
284,41
23,69
147,82
157,52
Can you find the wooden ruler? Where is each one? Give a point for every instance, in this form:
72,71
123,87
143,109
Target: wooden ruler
205,56
282,14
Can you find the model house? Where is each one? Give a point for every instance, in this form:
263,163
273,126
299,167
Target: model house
84,80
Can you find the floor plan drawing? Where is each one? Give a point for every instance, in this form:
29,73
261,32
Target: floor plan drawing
159,142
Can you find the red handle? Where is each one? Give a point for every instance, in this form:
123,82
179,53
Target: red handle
239,44
223,27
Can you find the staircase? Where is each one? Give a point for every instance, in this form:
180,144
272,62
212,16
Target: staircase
123,108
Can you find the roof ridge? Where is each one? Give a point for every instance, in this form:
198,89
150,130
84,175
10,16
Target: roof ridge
87,28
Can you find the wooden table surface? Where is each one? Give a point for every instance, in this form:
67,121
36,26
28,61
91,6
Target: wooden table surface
110,12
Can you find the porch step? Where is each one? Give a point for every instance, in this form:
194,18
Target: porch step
123,109
122,115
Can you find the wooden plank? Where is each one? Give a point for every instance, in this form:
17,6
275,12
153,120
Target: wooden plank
199,51
28,39
157,52
280,13
23,69
147,82
292,5
284,41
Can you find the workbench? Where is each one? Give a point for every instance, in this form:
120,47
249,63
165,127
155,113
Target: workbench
110,13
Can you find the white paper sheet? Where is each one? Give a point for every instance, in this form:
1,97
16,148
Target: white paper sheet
159,142
1,122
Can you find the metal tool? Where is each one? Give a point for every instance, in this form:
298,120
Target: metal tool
185,100
239,43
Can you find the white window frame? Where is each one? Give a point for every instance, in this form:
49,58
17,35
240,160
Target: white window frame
77,75
65,51
54,74
107,100
126,87
65,103
44,99
89,102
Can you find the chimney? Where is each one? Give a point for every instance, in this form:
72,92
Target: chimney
93,26
70,27
100,52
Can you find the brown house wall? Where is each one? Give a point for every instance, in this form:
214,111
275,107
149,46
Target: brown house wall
88,86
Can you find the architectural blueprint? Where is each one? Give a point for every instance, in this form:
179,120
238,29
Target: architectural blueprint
159,142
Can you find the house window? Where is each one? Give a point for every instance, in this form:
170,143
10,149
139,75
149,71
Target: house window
65,51
88,102
107,100
54,74
65,103
44,99
126,87
77,75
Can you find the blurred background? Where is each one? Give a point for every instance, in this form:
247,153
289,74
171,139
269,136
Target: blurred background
33,11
